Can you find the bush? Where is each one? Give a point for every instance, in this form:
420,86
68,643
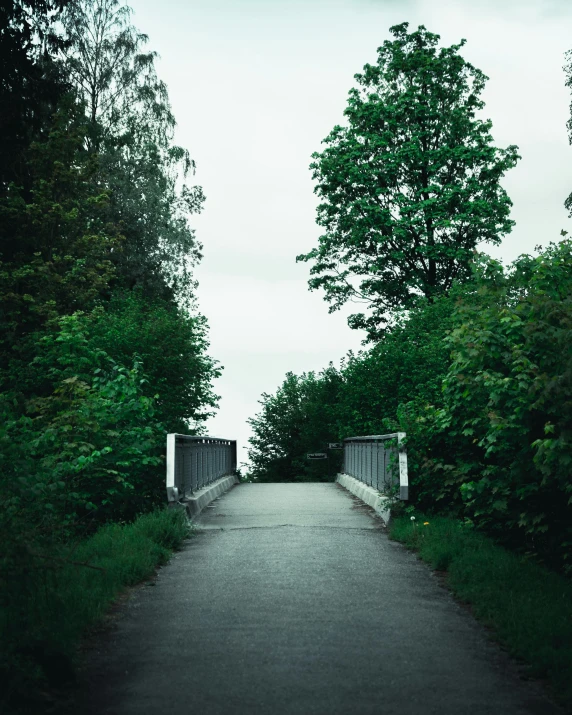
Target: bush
90,450
179,377
49,598
499,450
297,420
528,607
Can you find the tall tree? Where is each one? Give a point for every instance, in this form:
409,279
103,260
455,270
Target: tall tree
411,185
56,244
110,70
30,80
131,130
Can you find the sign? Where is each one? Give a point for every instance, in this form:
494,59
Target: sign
335,445
317,455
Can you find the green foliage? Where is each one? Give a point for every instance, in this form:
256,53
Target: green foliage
56,251
92,371
32,82
411,185
309,410
297,420
527,606
172,344
130,127
506,417
568,70
407,364
91,449
48,600
101,348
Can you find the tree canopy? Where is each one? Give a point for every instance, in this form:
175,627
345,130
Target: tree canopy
297,420
130,127
31,80
411,185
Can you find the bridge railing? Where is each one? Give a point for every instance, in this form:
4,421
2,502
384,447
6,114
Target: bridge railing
195,462
378,460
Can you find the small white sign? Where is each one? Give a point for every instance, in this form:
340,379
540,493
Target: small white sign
317,455
335,445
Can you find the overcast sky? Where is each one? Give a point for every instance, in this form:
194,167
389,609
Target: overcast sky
257,84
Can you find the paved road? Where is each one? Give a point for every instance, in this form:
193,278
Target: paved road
292,601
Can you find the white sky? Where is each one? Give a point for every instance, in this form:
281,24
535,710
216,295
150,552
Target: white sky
257,84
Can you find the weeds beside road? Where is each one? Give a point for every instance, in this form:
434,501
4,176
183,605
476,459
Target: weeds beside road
528,607
43,621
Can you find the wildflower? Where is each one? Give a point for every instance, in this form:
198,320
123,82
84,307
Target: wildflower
425,523
412,518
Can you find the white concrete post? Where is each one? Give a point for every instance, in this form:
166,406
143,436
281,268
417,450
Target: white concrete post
403,476
172,491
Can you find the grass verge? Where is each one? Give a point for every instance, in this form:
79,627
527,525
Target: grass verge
52,607
528,607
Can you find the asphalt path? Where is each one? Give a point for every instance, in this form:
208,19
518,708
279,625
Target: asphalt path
291,600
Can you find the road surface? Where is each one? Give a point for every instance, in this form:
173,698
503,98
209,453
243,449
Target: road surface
291,600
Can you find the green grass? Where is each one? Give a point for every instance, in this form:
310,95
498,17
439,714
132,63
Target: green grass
528,607
51,608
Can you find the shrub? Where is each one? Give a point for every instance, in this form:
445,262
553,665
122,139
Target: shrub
49,598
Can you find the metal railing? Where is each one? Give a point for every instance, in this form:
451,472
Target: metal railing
195,462
378,460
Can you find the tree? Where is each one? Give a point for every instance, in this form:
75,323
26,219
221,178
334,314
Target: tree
106,64
131,131
31,80
498,450
411,185
56,248
296,420
172,345
409,364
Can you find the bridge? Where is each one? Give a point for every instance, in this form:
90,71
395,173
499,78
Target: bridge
291,600
200,469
